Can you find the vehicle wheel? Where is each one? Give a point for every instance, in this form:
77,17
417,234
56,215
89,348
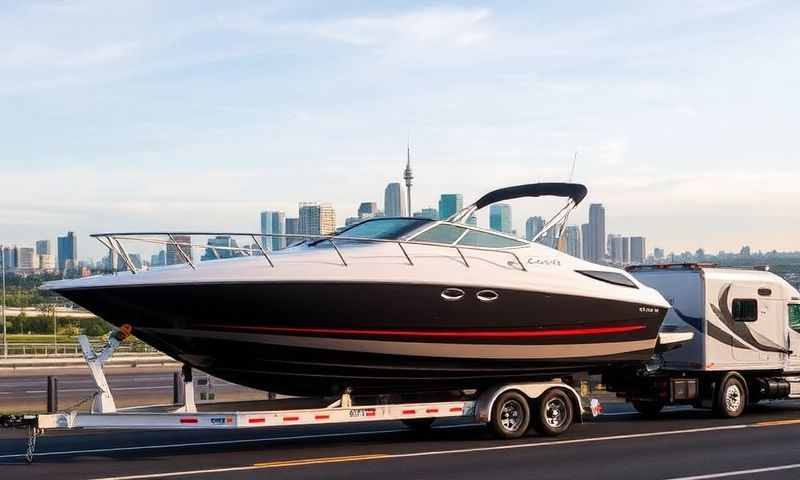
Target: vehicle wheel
731,398
647,408
554,413
511,415
419,424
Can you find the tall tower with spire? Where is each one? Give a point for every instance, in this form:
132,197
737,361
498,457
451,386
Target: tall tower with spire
408,176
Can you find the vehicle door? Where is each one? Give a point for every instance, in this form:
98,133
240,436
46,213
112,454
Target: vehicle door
793,337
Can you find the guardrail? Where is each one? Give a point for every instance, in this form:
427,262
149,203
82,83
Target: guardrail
113,242
67,349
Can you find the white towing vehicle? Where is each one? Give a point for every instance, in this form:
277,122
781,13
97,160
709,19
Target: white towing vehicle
745,347
549,407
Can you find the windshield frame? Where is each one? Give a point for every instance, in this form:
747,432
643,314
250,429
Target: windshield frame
415,225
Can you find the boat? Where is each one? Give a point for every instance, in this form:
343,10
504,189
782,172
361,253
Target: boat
386,305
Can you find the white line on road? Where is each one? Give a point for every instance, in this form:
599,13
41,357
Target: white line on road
449,452
739,472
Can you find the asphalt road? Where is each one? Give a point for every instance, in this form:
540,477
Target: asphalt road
619,445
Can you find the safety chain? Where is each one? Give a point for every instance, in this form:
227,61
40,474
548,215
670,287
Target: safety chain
33,434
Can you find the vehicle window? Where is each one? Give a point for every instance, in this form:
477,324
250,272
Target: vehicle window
745,310
446,234
382,228
476,238
794,317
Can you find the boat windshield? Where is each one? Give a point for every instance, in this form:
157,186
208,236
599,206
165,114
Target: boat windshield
382,228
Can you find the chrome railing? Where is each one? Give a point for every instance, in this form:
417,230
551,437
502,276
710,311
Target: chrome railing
113,242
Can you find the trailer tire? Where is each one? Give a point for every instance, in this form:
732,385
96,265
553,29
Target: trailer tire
554,413
419,424
647,408
731,397
511,415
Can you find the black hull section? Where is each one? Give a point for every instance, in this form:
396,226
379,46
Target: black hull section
319,338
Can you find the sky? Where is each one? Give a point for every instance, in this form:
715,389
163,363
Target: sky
197,115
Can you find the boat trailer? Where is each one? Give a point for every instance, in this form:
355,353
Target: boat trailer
549,406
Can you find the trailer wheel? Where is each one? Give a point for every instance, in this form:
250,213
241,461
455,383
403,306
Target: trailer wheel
419,424
731,398
647,408
511,415
554,413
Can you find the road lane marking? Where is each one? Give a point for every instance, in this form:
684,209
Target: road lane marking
772,423
317,461
446,452
739,472
212,443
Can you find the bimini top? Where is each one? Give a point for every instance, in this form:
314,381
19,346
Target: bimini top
575,191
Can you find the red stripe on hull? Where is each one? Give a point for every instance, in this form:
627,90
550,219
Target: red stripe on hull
443,333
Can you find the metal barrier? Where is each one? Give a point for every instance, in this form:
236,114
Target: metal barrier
67,349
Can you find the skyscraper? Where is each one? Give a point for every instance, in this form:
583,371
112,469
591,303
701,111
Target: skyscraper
27,261
213,251
292,228
317,219
173,255
43,247
408,176
626,250
10,258
500,217
273,222
615,248
393,202
450,203
430,213
572,238
597,232
367,210
586,235
638,250
533,226
67,252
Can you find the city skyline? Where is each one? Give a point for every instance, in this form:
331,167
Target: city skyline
667,129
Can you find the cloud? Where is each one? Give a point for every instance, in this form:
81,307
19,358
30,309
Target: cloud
431,26
32,55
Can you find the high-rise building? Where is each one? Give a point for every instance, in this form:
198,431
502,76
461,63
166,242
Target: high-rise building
572,240
472,220
214,252
638,250
174,256
658,253
533,225
317,219
615,248
67,252
626,250
159,259
430,213
351,221
273,222
10,258
43,247
292,228
367,210
597,232
586,235
394,204
450,203
27,260
500,217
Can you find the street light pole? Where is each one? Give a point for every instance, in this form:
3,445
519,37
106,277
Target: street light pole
3,304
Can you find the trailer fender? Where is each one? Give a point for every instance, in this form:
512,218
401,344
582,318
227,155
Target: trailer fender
531,390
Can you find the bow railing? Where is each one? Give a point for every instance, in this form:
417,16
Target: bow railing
114,243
